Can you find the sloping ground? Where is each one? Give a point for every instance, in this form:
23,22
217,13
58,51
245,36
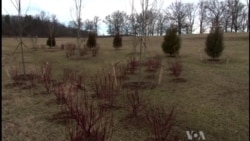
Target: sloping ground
215,98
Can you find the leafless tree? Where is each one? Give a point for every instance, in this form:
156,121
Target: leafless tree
161,19
191,13
116,22
18,6
237,11
177,13
247,1
52,27
78,20
243,21
96,22
43,16
215,9
202,14
226,20
151,17
88,25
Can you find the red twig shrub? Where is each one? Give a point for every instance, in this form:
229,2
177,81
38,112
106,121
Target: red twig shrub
122,73
104,87
63,90
70,49
175,68
160,122
135,102
87,121
71,76
132,65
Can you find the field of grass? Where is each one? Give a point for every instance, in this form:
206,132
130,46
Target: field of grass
214,99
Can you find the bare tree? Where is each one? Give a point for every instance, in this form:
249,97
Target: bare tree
88,25
96,22
17,5
247,15
237,11
52,28
215,11
161,19
78,21
191,13
177,13
226,19
202,13
243,21
116,22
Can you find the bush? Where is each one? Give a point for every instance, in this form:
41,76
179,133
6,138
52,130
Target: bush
91,42
172,42
117,42
51,41
214,43
175,68
161,123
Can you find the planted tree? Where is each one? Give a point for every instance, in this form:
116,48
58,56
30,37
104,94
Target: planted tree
172,42
91,42
51,42
117,42
214,43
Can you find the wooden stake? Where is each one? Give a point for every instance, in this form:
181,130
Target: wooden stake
113,65
160,75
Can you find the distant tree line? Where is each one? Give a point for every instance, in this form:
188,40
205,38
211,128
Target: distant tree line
41,26
231,15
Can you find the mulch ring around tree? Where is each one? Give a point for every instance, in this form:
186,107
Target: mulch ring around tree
215,61
53,49
178,80
20,79
139,85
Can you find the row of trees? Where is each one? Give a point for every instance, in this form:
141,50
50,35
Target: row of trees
41,25
232,15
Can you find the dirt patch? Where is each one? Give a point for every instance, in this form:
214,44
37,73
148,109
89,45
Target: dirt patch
215,61
139,85
178,80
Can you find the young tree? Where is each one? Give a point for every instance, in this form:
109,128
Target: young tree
20,27
91,42
172,42
51,42
214,43
117,42
78,21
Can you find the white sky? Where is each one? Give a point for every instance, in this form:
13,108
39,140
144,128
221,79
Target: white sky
91,8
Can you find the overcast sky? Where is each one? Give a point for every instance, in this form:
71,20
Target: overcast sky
62,8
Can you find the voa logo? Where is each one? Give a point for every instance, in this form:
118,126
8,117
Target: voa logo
194,135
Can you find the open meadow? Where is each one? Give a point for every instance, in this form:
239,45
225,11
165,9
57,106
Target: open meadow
214,98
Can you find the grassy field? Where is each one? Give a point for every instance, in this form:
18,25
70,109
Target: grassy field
214,99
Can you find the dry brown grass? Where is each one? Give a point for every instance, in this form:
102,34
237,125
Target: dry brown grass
214,99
